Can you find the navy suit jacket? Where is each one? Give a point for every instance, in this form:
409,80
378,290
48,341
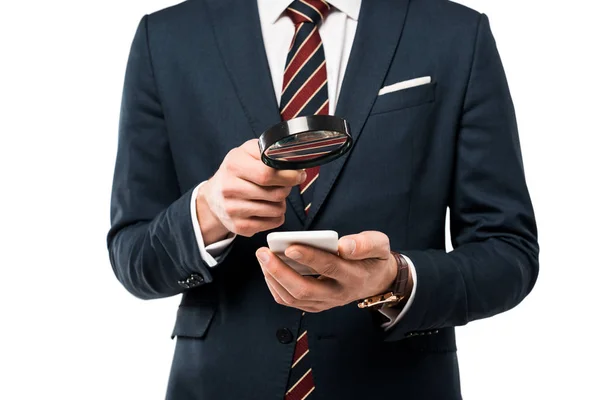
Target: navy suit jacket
198,84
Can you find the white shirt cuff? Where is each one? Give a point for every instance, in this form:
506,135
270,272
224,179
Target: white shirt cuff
210,254
395,315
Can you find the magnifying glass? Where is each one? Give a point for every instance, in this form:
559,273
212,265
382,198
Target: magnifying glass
305,142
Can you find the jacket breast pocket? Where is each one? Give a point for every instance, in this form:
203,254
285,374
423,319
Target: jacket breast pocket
404,98
193,321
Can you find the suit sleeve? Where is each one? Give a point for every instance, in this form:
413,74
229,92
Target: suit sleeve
151,242
494,264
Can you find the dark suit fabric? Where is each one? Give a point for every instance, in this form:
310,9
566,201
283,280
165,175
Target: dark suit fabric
198,84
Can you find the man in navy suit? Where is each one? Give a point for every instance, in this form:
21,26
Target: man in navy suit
422,87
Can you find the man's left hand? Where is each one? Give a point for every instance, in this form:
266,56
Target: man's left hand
364,267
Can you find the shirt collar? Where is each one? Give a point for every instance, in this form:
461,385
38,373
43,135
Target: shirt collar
273,9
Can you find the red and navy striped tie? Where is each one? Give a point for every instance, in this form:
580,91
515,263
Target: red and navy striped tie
304,89
304,93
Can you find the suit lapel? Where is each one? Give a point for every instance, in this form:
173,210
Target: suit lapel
379,29
239,38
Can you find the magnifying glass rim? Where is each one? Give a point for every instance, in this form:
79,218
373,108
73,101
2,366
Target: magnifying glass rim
299,126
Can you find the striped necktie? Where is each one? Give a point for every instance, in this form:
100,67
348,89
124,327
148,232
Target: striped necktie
304,93
304,89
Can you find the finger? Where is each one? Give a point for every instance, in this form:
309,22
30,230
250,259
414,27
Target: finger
249,226
283,297
261,175
256,208
322,262
267,176
246,167
250,167
237,188
369,244
303,288
274,293
251,147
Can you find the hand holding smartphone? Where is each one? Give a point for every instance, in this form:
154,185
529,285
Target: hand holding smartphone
280,241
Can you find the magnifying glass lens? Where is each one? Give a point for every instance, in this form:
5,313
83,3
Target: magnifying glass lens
305,142
306,146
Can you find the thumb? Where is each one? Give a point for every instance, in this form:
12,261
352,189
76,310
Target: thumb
364,245
347,247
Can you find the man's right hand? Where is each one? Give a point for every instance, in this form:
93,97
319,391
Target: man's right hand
244,196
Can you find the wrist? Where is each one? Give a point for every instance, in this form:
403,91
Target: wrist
398,289
211,226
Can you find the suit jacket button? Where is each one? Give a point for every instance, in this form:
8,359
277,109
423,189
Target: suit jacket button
191,282
183,284
284,336
195,280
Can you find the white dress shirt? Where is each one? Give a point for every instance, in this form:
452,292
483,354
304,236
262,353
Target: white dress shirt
337,33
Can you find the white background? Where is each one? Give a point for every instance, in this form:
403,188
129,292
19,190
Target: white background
70,331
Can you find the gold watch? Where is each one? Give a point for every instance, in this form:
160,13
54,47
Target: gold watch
398,291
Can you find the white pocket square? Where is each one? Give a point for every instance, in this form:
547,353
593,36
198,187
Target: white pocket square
405,85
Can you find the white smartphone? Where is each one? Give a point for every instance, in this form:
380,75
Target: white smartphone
324,240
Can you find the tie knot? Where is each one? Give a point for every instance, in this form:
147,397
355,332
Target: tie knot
308,11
